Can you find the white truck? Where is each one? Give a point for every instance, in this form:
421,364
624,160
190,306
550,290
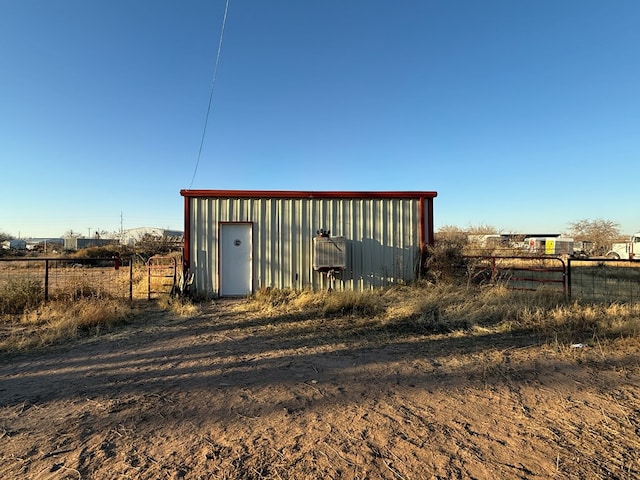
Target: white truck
627,250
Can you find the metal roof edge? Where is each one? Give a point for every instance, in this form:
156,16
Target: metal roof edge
304,194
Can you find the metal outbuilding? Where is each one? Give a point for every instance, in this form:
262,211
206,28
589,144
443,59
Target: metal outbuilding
76,243
237,241
132,236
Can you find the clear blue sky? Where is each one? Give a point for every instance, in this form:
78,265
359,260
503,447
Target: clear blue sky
523,115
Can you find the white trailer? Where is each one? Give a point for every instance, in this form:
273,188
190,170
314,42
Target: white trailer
550,245
627,250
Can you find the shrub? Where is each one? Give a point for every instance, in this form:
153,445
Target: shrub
61,320
445,261
18,296
105,251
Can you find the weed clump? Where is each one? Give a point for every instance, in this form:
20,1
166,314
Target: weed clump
367,303
61,320
18,296
448,308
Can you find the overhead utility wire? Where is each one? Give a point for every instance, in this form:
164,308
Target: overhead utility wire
213,86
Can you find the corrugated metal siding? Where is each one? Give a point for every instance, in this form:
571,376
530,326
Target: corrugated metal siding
383,239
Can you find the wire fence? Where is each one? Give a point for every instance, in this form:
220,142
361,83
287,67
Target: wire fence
69,278
593,279
604,280
597,280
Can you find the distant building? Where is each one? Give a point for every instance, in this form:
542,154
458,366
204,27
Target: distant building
45,244
134,235
76,243
14,244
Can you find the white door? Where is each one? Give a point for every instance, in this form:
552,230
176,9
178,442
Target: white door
235,259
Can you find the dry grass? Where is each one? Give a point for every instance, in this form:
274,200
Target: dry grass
445,308
79,308
16,296
426,309
278,301
183,307
62,320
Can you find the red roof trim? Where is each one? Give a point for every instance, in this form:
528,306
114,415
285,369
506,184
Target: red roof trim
301,194
186,253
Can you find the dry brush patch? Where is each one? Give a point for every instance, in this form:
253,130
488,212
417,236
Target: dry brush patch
445,308
79,305
441,308
62,321
17,296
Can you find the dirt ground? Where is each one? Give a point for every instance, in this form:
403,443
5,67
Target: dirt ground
233,394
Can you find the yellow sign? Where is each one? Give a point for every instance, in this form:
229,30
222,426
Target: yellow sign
550,247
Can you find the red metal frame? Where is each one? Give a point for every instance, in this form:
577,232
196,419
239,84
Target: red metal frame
186,248
427,235
301,194
562,269
161,270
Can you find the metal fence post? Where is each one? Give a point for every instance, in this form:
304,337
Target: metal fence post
46,280
131,279
569,278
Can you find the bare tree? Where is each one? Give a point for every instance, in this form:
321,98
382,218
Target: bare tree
72,234
482,230
601,232
450,233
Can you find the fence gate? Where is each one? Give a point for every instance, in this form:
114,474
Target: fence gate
162,275
519,273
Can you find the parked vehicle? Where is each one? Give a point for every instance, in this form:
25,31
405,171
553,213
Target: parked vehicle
583,248
627,250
